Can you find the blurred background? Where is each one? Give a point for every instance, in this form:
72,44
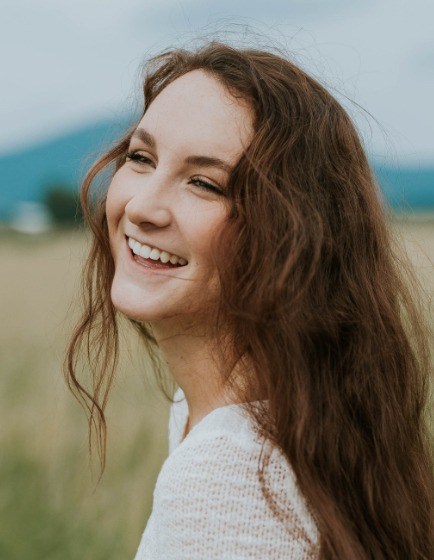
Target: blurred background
70,87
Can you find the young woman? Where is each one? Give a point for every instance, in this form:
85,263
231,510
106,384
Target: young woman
243,234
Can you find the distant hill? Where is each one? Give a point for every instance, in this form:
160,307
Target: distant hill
407,188
64,160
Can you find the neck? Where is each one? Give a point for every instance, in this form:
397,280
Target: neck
191,356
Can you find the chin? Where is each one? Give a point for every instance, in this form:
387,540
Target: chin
132,305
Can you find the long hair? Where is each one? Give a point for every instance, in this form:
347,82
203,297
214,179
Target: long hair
315,295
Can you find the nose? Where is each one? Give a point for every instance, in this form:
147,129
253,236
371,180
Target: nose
151,201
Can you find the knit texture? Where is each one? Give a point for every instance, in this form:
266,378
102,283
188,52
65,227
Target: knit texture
208,502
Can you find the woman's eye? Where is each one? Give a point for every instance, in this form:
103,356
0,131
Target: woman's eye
139,158
206,186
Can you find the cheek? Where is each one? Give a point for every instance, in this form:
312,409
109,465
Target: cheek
204,233
114,205
114,208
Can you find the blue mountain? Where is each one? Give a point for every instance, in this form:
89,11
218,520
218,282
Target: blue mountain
26,174
407,188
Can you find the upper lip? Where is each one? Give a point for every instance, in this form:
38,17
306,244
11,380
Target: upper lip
154,246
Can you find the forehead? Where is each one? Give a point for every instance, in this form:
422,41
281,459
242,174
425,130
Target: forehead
196,113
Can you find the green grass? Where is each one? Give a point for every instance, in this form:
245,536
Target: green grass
42,518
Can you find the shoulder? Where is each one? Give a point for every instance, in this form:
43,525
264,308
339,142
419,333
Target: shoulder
177,419
212,483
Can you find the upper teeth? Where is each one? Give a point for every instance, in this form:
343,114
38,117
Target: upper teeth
148,252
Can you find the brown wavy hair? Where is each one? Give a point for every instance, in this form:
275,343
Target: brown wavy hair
316,296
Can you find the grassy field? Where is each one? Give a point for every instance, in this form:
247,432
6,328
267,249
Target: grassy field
48,507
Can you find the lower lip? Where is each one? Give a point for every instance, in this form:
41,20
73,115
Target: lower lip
148,265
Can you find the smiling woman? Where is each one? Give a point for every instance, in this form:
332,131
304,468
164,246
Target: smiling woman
243,235
170,196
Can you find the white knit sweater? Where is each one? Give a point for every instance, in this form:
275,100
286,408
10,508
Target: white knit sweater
208,503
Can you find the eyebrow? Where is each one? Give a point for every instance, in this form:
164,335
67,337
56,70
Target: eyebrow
202,161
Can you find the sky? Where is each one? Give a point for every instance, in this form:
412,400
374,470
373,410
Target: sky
68,63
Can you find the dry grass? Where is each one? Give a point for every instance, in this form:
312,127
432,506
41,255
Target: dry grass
47,508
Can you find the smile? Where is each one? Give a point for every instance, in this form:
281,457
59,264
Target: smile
154,254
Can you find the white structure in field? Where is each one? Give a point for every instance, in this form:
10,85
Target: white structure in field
31,217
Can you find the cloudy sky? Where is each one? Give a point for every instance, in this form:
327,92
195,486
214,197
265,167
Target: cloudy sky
66,63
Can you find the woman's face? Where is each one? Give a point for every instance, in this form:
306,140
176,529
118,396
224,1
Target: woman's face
168,199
